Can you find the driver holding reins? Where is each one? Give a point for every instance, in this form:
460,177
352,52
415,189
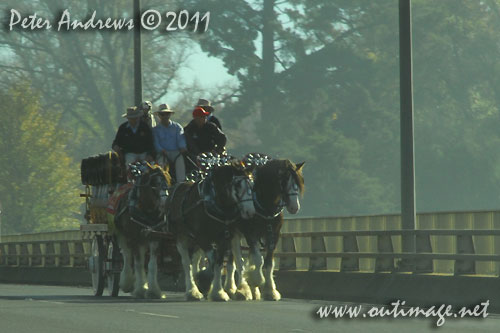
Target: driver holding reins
170,142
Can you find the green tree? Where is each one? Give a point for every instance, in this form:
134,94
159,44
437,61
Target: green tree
303,89
39,182
88,75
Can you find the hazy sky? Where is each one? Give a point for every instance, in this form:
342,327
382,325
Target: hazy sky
200,64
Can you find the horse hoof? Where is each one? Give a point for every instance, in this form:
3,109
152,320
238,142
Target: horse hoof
256,278
272,295
127,289
220,296
194,295
256,293
241,295
231,293
139,293
153,294
127,286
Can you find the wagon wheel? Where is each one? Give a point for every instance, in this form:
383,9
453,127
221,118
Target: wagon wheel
113,272
96,265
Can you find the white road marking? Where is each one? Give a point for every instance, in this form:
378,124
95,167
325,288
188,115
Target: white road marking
54,302
153,314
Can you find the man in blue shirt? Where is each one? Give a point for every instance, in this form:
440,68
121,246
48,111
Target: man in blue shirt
170,142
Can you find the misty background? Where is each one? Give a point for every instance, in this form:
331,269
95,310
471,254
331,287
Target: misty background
309,80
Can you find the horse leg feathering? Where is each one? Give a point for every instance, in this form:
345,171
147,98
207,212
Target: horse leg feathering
269,292
126,275
255,276
243,291
140,286
216,292
229,283
154,290
192,292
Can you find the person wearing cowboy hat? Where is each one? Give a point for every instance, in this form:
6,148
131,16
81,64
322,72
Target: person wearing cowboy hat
170,142
134,138
207,106
203,136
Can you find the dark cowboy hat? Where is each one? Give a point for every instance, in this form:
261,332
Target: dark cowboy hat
205,104
132,112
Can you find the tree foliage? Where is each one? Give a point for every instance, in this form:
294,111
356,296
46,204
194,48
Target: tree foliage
334,97
318,81
38,179
88,75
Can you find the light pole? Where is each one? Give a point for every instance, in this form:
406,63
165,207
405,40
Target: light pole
137,54
408,214
0,221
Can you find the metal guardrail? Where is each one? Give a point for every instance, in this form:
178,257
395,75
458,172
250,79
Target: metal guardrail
58,249
450,243
464,259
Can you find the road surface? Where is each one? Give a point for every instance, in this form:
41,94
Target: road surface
40,309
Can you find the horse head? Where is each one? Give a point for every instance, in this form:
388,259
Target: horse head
278,184
152,188
233,185
292,185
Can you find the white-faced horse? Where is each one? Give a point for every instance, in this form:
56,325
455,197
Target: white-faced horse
278,184
140,215
203,213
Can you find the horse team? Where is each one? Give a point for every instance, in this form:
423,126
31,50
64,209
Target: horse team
209,216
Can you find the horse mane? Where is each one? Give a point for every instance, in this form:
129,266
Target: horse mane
270,172
165,172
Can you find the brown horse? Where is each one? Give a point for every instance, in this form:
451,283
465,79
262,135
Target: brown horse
203,213
140,214
278,184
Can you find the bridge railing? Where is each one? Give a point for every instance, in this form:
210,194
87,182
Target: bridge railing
448,243
50,249
451,243
385,259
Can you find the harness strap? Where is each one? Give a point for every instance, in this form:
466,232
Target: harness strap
136,218
270,237
201,192
261,211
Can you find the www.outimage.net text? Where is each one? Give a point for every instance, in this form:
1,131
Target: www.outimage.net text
397,310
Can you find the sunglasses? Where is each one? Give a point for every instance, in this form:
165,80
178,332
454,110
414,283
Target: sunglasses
164,114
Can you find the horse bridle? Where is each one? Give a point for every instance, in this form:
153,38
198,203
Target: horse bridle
163,186
249,182
294,189
284,194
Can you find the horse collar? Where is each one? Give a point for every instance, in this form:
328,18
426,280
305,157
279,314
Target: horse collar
206,189
262,212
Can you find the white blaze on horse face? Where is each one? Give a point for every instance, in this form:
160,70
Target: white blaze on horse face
242,194
292,193
161,185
